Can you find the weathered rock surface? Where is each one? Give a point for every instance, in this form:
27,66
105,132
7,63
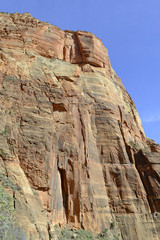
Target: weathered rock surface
70,135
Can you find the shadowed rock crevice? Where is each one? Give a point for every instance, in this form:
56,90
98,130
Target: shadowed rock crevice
64,188
60,107
80,48
147,173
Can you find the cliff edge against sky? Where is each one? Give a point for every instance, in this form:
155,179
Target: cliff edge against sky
71,139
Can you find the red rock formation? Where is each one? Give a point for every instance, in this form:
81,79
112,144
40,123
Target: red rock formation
70,136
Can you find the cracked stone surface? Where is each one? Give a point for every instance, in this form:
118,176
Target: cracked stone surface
70,135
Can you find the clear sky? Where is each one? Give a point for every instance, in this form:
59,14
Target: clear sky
130,29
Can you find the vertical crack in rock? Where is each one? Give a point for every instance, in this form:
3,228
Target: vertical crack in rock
71,54
49,231
40,236
141,166
128,148
14,199
80,48
83,132
64,188
64,53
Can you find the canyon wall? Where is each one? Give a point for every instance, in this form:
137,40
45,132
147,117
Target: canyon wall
71,140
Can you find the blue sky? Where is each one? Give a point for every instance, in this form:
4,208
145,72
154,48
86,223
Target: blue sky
129,29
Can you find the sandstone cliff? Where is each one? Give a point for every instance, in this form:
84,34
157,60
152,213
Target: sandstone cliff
71,139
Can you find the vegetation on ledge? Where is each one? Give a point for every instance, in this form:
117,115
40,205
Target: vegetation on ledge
66,233
9,229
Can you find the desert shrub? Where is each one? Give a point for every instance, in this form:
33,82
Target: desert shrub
103,234
9,229
133,145
84,234
66,233
7,182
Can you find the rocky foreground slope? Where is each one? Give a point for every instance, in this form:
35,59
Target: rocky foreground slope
71,140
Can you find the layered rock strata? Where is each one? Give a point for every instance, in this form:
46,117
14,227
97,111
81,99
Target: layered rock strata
70,136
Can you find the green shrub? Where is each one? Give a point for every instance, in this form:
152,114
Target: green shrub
84,234
7,182
103,234
9,229
66,233
133,145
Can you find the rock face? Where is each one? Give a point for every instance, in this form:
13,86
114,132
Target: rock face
70,135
